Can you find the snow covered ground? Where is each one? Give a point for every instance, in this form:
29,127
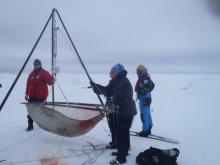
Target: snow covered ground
184,107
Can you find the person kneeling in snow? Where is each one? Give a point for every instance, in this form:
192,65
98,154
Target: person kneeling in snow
120,90
143,88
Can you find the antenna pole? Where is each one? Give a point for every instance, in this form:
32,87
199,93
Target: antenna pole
84,67
25,63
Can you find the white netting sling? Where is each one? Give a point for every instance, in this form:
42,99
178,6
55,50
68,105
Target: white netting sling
72,119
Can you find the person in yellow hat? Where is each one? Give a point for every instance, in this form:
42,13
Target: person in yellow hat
143,88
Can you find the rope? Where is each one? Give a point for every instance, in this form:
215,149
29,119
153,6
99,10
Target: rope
62,92
88,150
70,46
92,151
72,50
58,85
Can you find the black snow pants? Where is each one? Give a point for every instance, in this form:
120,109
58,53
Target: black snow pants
34,100
112,123
123,137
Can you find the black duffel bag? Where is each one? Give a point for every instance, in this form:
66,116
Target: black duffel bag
155,156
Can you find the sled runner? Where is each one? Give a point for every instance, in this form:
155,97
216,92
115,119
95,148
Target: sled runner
155,137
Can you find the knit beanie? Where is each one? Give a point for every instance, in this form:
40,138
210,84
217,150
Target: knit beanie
117,68
37,62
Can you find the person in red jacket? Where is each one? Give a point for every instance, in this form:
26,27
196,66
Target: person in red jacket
37,87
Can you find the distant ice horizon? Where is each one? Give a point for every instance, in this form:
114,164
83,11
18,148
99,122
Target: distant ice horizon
131,68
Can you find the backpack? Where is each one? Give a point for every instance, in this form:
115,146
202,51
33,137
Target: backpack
155,156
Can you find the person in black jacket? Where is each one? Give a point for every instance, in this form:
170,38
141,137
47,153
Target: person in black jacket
120,91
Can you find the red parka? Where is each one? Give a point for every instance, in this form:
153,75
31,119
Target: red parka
37,83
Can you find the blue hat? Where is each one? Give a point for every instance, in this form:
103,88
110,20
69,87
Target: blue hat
117,68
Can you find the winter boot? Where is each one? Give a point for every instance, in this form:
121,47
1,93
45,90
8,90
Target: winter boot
30,126
144,134
111,145
115,162
116,153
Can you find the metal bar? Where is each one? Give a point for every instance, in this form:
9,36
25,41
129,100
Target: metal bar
70,106
77,103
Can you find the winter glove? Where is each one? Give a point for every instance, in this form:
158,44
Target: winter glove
94,87
92,84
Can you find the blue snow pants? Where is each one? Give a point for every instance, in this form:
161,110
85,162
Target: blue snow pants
144,103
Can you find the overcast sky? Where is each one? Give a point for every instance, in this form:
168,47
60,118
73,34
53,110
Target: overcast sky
153,32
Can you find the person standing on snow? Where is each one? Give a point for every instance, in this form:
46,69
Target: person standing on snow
36,87
121,92
143,88
0,85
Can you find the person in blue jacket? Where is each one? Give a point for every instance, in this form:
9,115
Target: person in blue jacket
143,88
